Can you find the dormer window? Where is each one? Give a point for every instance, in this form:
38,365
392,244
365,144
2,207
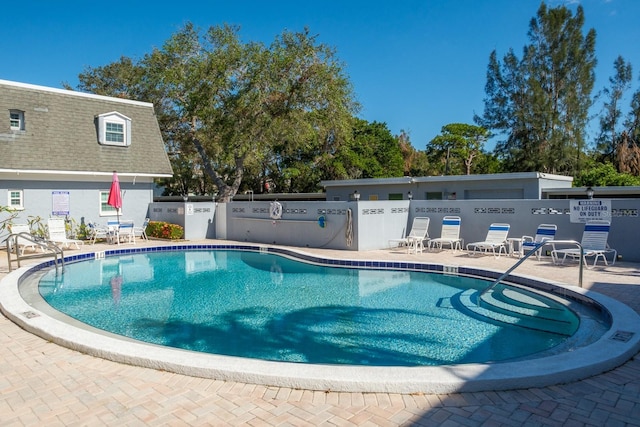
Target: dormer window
114,129
16,118
114,132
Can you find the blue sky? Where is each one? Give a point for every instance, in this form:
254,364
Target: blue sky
415,65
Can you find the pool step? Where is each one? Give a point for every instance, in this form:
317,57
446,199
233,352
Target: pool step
511,301
520,308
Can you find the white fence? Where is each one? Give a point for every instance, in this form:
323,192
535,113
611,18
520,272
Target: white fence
368,225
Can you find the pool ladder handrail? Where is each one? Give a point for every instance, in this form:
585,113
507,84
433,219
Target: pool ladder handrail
48,249
532,251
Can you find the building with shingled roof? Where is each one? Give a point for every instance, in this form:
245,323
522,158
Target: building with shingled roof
59,149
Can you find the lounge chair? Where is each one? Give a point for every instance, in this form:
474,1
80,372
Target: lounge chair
450,234
142,231
58,234
594,244
21,242
416,237
543,233
496,240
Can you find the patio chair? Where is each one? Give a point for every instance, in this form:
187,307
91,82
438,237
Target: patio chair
113,225
99,232
58,233
126,233
450,234
21,242
496,240
594,244
543,233
142,231
416,237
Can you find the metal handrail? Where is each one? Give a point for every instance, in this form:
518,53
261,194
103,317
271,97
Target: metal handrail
532,251
46,245
579,245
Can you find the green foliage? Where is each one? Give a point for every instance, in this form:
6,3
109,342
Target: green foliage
77,230
456,150
37,226
488,163
236,115
610,121
415,162
7,215
164,230
602,175
540,102
226,107
373,152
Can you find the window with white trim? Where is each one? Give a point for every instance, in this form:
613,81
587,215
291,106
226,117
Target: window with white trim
106,209
114,129
16,119
16,199
114,132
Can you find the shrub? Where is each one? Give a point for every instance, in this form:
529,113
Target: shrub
164,230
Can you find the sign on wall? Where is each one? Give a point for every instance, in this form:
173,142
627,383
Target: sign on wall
60,202
590,210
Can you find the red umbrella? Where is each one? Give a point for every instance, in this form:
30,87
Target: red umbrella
115,197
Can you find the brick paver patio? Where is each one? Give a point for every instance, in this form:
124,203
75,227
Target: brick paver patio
44,384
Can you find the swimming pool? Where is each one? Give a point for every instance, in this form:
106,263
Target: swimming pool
458,374
266,306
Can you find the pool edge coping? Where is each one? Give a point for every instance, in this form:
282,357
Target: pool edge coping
605,354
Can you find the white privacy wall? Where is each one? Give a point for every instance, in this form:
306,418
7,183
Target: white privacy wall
369,225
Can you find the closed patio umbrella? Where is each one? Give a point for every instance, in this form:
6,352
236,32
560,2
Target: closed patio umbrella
115,197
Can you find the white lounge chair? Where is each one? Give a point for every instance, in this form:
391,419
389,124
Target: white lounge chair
58,233
496,240
450,234
414,241
142,231
543,233
594,244
21,242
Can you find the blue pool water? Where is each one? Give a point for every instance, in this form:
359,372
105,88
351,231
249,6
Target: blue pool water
266,306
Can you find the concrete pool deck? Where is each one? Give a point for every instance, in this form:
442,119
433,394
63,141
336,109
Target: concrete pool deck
44,383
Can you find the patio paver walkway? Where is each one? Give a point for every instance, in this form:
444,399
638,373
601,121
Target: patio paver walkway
44,384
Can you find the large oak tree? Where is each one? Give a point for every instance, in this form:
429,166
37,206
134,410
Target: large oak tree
225,106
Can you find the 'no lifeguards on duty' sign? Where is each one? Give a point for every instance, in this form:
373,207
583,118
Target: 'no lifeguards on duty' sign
590,210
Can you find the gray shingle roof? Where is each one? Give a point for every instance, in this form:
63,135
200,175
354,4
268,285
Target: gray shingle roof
61,133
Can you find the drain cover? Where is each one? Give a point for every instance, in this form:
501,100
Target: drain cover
622,336
30,314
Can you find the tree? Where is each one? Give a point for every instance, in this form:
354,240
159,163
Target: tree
633,119
234,103
602,175
372,152
610,121
457,148
540,103
627,155
415,161
628,148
